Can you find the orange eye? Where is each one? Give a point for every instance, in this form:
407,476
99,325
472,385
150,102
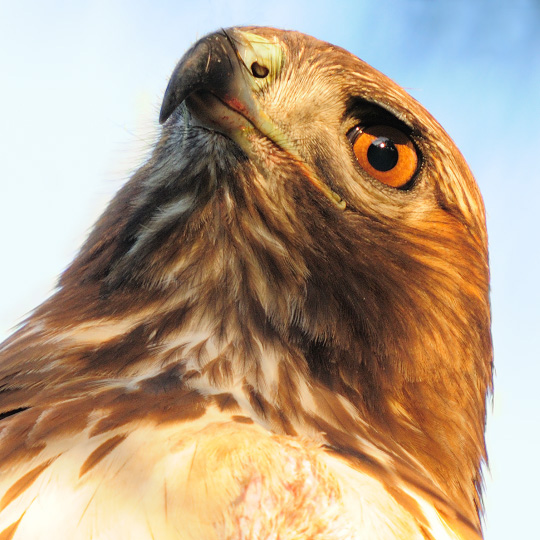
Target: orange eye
386,153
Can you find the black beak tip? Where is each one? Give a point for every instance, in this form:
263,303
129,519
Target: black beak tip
206,65
167,109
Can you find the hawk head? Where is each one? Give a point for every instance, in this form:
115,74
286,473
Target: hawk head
305,238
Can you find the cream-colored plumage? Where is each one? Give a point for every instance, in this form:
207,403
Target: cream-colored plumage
207,479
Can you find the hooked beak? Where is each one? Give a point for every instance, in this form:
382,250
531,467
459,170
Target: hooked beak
219,79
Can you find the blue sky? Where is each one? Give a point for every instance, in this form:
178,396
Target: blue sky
81,88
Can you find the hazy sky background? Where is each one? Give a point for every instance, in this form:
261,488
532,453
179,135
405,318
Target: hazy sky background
81,86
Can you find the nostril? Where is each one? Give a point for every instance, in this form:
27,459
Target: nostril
259,71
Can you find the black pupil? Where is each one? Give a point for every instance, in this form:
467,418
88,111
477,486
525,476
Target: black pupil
259,71
382,154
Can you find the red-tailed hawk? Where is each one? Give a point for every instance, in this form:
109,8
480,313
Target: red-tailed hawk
279,328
